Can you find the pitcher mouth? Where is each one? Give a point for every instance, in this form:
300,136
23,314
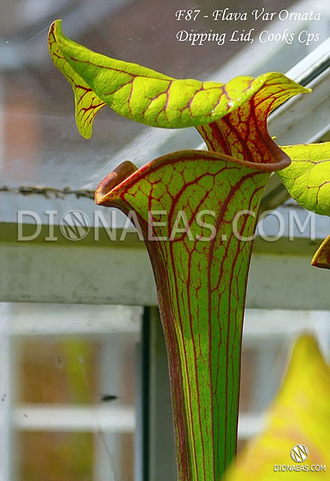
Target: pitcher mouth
109,190
122,172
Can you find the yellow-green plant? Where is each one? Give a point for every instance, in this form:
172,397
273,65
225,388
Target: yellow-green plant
300,414
196,210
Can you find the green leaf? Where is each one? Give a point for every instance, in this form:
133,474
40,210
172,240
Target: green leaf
152,98
201,275
300,414
308,177
321,257
87,103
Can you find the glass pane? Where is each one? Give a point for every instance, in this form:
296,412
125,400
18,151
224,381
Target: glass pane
41,145
72,391
268,339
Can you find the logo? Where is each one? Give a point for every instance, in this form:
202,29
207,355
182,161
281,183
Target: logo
74,225
299,453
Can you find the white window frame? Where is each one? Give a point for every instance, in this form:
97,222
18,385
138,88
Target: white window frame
135,286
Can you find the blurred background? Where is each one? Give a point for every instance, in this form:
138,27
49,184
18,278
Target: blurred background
40,145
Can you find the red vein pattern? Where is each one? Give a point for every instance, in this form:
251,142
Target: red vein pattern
243,133
307,179
87,103
201,282
153,98
204,209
